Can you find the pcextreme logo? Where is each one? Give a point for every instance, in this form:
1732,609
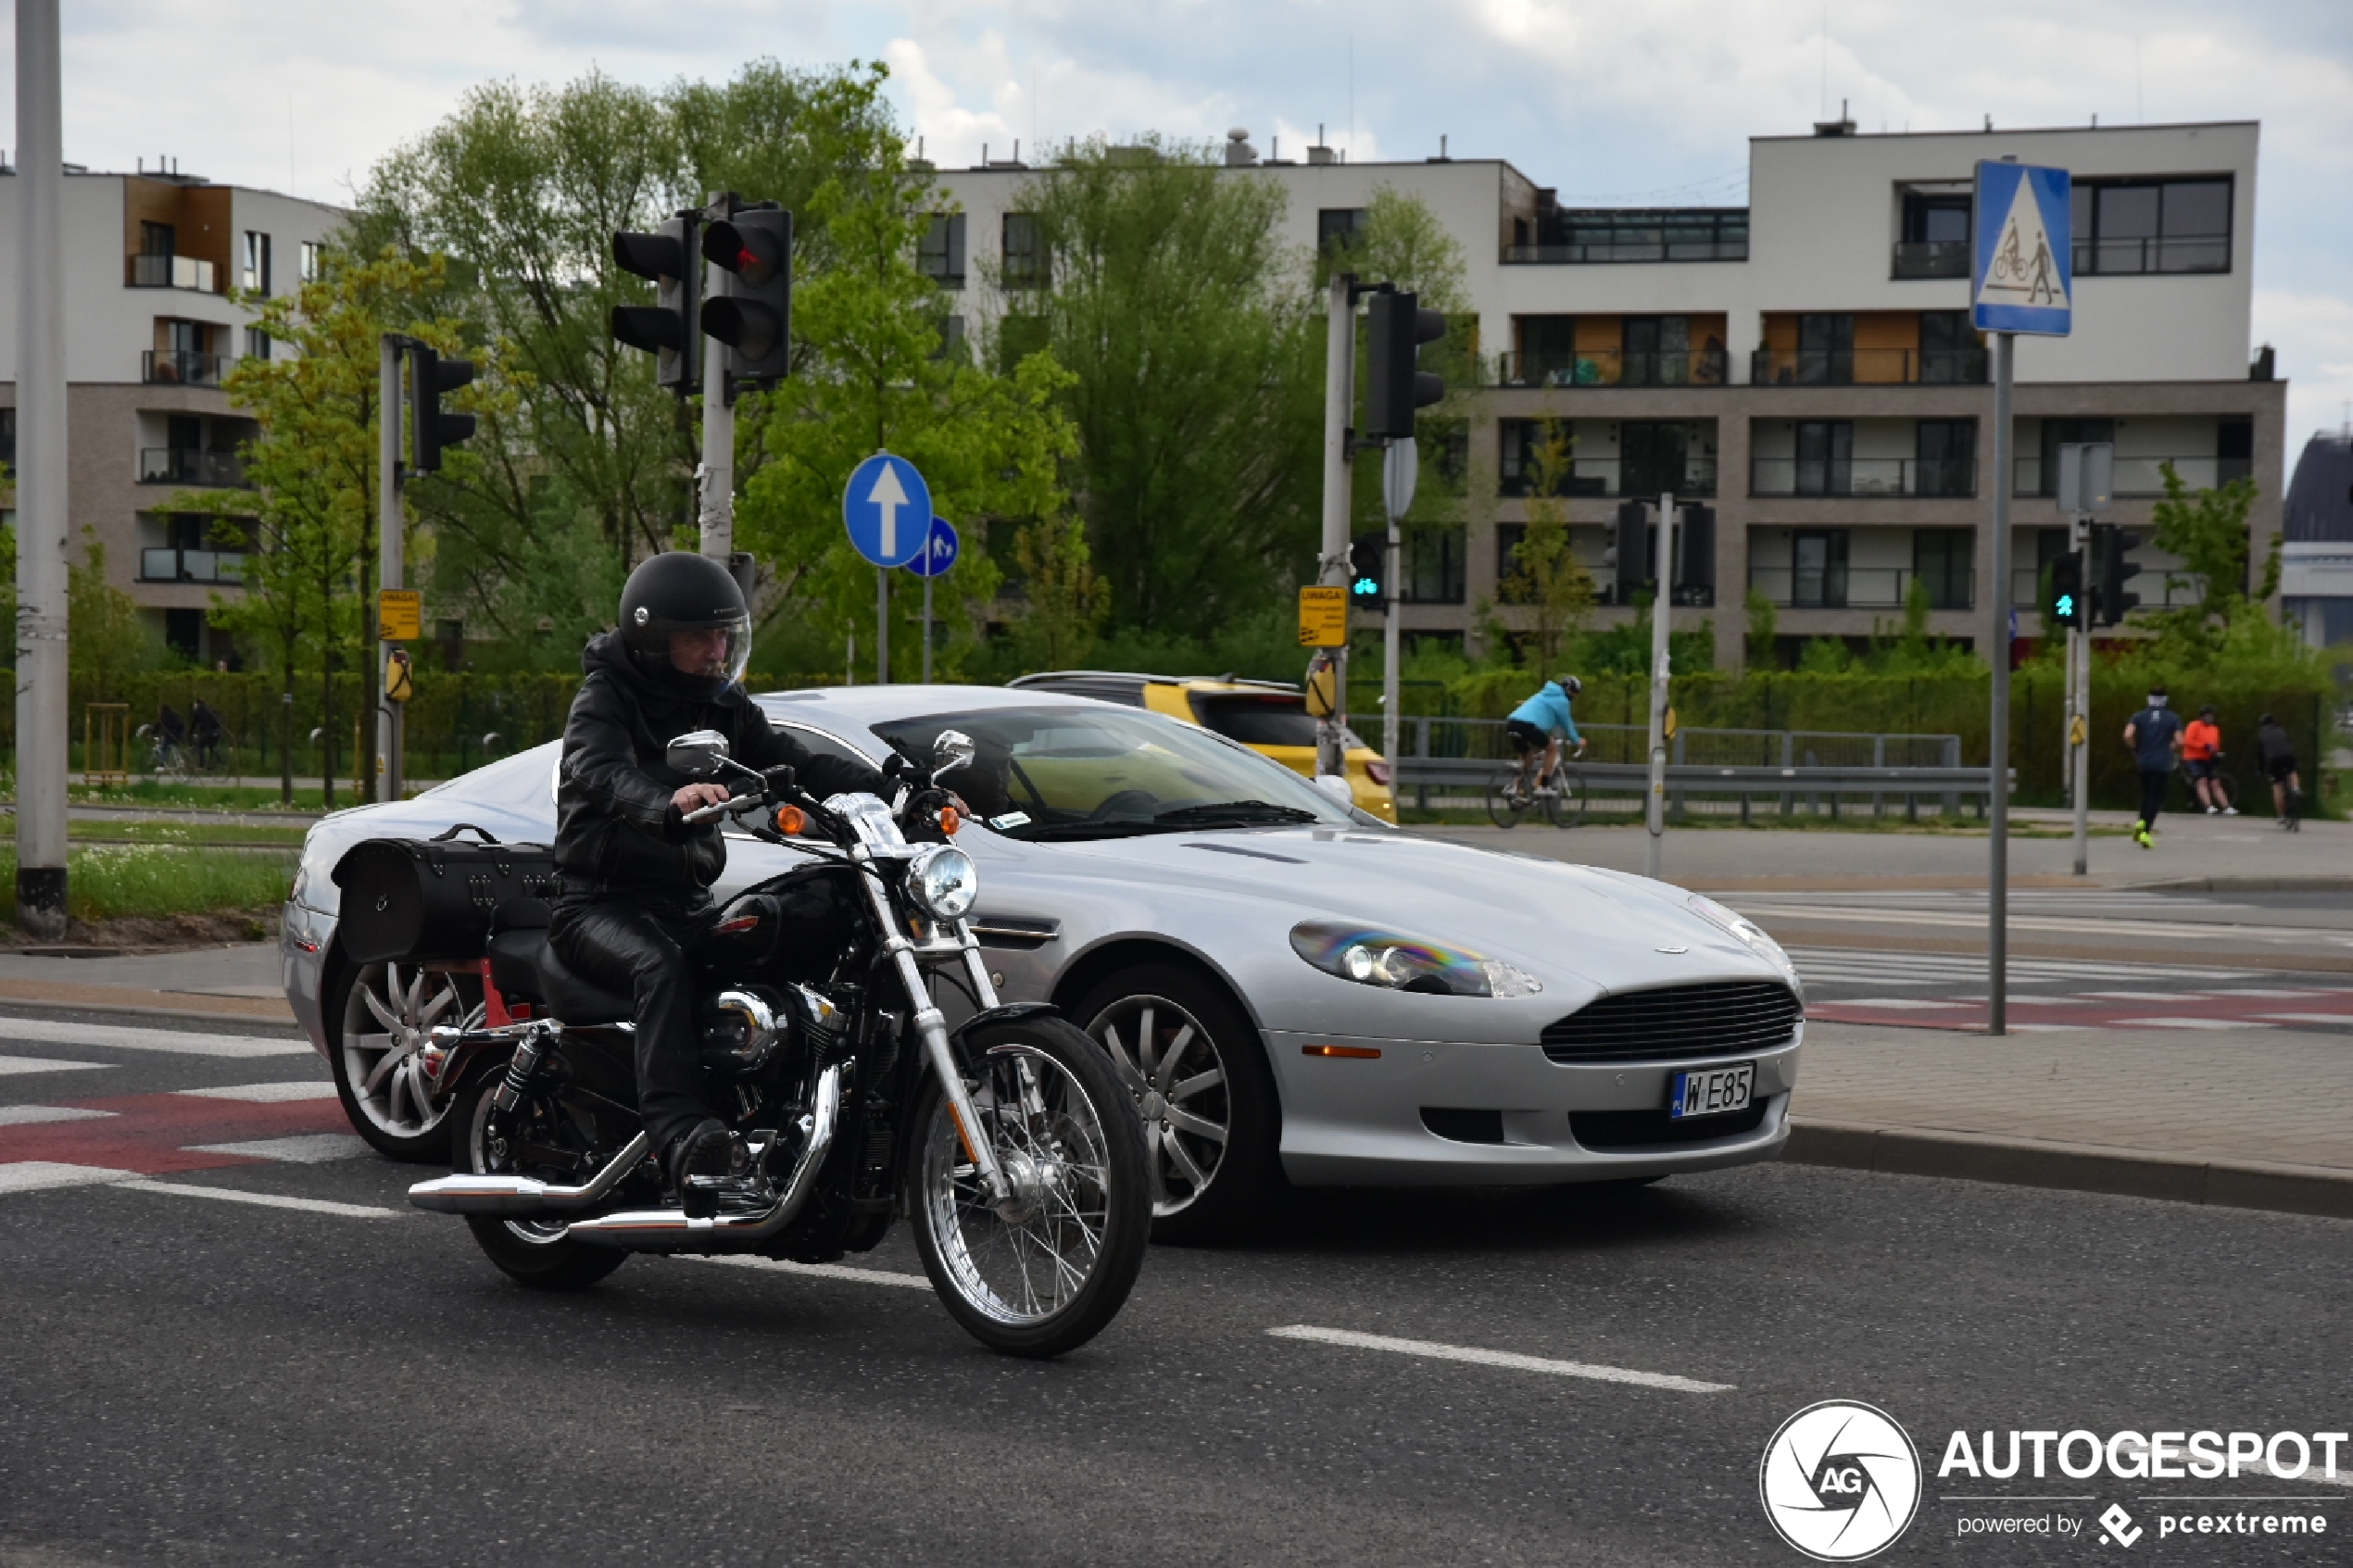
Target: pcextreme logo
1840,1481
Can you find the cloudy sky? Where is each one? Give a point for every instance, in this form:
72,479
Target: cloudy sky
1608,100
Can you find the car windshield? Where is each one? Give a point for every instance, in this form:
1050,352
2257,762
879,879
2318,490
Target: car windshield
1064,773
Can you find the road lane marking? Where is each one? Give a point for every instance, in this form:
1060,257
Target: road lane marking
261,1200
2311,1017
1903,1002
60,1032
304,1149
1436,1351
2185,1024
28,1115
266,1093
817,1270
41,1176
12,1065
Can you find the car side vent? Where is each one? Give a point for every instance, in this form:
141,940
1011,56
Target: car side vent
1678,1022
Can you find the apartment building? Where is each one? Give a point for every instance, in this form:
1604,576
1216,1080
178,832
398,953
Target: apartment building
151,258
1803,364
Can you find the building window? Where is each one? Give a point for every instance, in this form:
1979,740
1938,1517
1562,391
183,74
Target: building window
1026,262
257,343
158,239
257,269
313,261
1432,569
1951,351
939,254
1946,457
1936,235
2152,225
8,437
1523,446
1825,457
1604,235
1671,456
2233,450
1547,352
1337,228
1940,560
1817,569
1826,349
2043,478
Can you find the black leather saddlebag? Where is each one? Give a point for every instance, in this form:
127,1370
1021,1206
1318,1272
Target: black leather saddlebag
414,898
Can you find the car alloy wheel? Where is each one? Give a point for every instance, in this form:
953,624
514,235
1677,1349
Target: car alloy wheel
385,1062
1170,1066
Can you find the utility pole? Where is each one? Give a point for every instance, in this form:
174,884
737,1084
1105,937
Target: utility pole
2079,699
42,668
1662,659
389,564
1340,398
715,503
1997,759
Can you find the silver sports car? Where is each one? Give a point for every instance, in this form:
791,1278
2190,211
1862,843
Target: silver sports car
1289,987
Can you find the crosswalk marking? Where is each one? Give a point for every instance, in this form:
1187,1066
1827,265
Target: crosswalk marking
303,1149
43,1176
31,1116
265,1093
13,1066
61,1032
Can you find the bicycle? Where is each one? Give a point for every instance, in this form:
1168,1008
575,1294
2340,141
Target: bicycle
1560,793
2224,785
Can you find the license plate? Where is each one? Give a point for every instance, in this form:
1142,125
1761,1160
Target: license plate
1710,1091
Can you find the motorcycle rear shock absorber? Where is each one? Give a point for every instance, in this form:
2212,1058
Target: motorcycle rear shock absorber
520,1068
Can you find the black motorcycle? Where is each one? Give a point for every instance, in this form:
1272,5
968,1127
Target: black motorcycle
1006,1140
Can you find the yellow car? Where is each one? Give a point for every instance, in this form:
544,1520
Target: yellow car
1269,717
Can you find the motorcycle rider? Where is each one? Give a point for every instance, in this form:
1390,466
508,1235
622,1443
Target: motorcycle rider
634,877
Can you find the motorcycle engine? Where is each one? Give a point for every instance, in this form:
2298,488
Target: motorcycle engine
743,1028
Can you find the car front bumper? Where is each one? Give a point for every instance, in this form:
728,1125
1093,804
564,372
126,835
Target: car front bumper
1358,1120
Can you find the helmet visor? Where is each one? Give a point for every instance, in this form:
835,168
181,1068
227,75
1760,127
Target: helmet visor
712,652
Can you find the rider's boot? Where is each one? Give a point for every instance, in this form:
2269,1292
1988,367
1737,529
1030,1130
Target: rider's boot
702,1162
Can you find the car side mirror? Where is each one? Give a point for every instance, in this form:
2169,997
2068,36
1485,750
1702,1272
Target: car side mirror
953,750
697,753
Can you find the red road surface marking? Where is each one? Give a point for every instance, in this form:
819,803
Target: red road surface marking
151,1134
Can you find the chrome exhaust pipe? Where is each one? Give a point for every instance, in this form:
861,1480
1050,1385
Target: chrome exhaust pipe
657,1229
521,1194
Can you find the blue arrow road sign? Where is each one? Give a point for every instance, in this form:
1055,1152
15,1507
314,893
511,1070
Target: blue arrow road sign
938,552
886,507
2023,279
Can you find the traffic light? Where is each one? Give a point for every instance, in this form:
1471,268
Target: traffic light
1395,331
1631,544
1369,571
2068,605
666,329
754,316
429,429
1695,556
2111,571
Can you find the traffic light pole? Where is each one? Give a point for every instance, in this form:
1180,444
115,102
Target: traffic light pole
1339,396
2079,701
1997,756
391,567
1662,615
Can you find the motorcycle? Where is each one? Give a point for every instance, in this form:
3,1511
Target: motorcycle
1006,1140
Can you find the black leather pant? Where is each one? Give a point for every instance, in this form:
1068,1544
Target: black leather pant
623,945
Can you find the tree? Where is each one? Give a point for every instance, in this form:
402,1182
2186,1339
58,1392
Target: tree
1067,603
1194,379
2207,532
1763,621
1543,575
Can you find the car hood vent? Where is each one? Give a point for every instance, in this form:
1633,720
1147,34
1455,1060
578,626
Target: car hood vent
1678,1022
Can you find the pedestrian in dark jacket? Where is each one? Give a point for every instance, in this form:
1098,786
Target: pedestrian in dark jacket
634,896
2276,749
204,730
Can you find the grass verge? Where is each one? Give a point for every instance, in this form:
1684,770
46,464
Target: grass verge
110,881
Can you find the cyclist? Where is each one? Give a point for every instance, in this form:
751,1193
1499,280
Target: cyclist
2277,752
2202,755
1540,723
2155,735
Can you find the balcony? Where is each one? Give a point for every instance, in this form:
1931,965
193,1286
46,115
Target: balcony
1866,366
1610,366
182,367
1931,259
173,465
2111,257
1693,478
1892,477
1602,235
169,565
2139,478
172,272
1864,587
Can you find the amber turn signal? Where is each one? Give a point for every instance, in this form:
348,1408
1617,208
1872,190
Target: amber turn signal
1366,1052
790,820
950,821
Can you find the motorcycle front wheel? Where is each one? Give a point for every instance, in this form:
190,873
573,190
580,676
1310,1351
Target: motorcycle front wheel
1045,1270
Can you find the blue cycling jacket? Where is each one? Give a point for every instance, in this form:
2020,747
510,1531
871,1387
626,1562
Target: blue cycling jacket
1548,711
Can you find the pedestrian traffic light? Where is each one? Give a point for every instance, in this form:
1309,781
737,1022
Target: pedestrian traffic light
1395,331
754,316
1695,555
666,329
2067,604
1631,544
1367,572
2111,568
429,429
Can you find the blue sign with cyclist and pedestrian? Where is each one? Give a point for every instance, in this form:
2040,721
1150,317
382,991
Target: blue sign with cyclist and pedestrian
887,507
938,552
2023,276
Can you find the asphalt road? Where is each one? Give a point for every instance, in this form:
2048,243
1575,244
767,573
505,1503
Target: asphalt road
210,1380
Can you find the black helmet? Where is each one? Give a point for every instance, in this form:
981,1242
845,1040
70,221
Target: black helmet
1569,683
679,593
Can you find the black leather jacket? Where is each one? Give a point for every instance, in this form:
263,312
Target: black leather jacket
617,833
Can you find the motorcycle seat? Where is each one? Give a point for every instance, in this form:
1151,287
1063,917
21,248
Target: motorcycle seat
525,968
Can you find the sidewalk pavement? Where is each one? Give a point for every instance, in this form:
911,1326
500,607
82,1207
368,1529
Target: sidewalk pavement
230,982
2246,1117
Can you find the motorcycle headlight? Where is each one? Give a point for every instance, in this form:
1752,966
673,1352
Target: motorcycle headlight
1747,930
943,880
1371,957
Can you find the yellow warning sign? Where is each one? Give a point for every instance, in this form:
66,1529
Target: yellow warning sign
2076,730
1323,617
398,685
400,615
1669,728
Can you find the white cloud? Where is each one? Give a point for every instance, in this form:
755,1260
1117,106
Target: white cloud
2313,336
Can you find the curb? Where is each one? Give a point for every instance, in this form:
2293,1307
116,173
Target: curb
2242,884
1977,1157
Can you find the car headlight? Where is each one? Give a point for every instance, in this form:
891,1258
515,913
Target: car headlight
1371,957
943,880
1747,930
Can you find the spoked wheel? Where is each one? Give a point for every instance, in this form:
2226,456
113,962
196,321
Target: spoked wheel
1044,1271
1567,807
1508,798
383,1027
533,1252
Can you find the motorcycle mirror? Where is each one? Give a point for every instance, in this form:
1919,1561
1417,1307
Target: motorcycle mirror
697,753
952,750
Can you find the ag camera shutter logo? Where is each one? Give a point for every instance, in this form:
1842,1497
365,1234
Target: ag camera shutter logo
1840,1481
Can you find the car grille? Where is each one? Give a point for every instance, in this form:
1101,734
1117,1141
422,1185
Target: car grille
1677,1023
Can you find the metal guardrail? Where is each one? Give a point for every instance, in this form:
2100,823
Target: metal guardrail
1814,784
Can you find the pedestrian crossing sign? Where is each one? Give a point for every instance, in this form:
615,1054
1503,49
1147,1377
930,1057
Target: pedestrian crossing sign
2022,243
